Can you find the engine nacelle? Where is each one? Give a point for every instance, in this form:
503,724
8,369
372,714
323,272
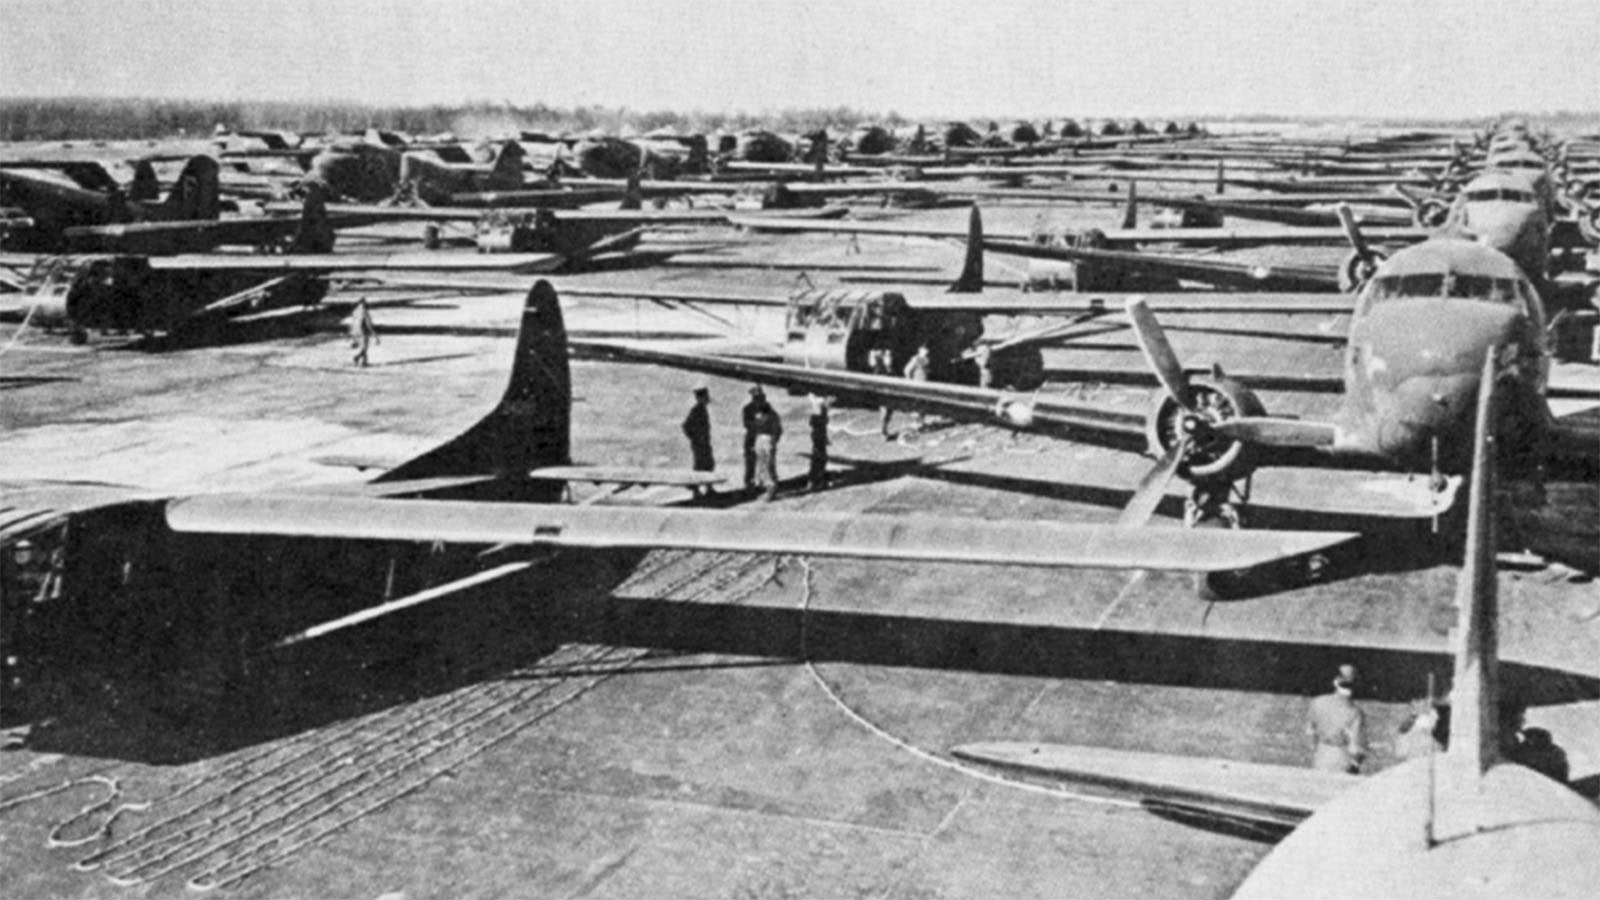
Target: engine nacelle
1210,456
1354,271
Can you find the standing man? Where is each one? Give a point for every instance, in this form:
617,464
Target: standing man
817,477
362,332
917,370
697,428
982,356
1334,724
881,361
751,413
767,429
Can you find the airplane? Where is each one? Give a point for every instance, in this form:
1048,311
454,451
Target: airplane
419,531
77,200
1416,331
1466,821
131,292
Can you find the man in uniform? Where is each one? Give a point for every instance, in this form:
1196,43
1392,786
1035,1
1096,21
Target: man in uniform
766,429
697,428
362,332
917,370
1334,724
751,413
817,477
881,361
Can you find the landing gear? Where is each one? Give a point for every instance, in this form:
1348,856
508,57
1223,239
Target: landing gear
1217,501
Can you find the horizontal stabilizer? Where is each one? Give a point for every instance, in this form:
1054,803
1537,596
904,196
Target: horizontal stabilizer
1277,795
929,539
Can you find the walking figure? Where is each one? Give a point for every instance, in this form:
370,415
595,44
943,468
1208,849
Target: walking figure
697,428
362,332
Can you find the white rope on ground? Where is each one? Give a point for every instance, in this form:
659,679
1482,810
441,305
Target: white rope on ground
927,755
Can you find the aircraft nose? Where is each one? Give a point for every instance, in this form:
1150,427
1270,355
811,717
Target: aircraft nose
1424,362
1423,408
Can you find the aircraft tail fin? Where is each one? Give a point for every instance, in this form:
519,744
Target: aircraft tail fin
1474,692
145,187
1130,212
315,234
530,428
508,164
198,193
971,278
633,193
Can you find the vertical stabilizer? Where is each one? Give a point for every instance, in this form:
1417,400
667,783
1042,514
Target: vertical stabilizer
508,165
1130,212
531,426
971,279
145,186
1474,694
633,192
315,232
198,193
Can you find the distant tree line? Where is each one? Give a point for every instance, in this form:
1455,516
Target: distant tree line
89,118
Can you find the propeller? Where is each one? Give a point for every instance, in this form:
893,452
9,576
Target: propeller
1169,371
1159,353
1153,487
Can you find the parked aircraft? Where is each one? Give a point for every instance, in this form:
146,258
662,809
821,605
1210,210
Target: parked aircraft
1418,328
64,199
416,532
130,292
1462,822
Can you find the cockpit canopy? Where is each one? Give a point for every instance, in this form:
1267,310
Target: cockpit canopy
1500,194
1450,268
1448,284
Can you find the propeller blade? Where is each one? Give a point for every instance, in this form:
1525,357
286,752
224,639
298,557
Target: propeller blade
1352,232
1158,352
1152,487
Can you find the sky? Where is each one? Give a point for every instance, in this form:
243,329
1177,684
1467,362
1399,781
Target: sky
921,58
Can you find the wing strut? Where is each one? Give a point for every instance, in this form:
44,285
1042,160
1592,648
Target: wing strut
373,612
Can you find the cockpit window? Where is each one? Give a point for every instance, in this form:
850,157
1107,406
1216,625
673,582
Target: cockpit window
1452,285
1491,195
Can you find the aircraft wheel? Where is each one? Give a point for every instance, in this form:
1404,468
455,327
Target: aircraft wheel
1019,370
430,236
78,336
1589,226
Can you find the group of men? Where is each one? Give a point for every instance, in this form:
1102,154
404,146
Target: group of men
763,427
1336,727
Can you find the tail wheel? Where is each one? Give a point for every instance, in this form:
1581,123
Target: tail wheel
1208,455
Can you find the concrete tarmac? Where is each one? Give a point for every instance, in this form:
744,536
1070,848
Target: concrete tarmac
706,725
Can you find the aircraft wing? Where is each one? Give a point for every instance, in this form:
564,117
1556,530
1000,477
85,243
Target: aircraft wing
1221,272
930,539
1117,428
1211,237
1274,796
345,262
